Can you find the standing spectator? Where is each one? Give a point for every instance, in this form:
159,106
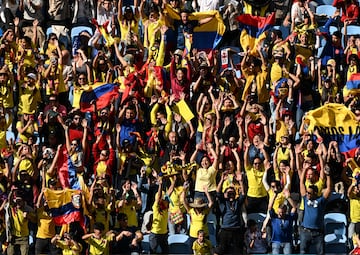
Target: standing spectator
311,232
230,239
282,225
159,232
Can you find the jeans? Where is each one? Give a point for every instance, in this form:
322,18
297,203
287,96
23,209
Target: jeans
285,247
311,239
156,240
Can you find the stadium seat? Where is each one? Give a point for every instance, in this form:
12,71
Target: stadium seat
75,31
325,9
179,244
335,233
352,30
258,217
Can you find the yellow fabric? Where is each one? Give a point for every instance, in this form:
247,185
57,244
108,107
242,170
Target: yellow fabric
27,165
275,73
198,222
20,227
202,249
230,182
205,177
58,79
130,211
6,95
279,200
99,246
184,110
216,24
28,132
4,125
101,168
256,187
46,226
176,203
124,28
29,99
355,209
281,130
334,116
160,220
153,32
260,79
103,216
351,70
66,250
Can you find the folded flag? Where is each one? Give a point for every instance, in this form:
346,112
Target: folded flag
253,29
352,85
65,206
100,93
335,122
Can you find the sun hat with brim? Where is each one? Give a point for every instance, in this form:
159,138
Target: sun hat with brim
198,203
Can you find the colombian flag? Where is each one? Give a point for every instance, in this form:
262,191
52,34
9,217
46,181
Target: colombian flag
67,171
352,85
253,30
62,208
205,37
335,122
101,93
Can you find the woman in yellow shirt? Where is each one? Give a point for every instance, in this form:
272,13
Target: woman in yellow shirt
129,22
198,211
206,174
26,126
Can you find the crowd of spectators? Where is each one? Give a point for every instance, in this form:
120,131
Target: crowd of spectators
183,136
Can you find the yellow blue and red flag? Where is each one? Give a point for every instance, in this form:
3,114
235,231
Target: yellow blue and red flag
253,30
101,93
352,85
205,37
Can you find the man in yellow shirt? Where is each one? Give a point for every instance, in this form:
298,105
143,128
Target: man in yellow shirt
159,230
98,241
20,213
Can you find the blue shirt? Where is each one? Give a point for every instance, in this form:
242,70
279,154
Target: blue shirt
314,213
282,228
231,212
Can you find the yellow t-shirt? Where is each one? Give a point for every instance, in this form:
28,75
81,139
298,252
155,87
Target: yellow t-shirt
205,177
280,199
130,211
124,28
99,246
198,222
355,209
28,132
255,186
46,226
202,249
176,204
160,220
68,250
20,227
103,216
281,130
29,99
4,125
6,95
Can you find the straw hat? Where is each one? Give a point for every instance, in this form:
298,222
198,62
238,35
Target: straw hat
198,203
